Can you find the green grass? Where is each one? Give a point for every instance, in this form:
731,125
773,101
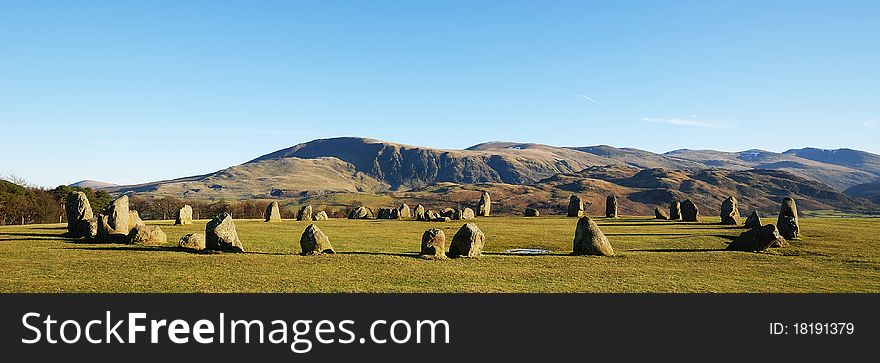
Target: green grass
834,255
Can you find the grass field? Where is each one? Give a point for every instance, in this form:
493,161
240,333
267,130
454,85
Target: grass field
834,255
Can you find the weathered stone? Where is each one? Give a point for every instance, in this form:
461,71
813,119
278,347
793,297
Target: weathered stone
754,220
388,213
675,211
758,239
147,236
660,213
419,213
788,224
321,216
184,216
305,214
404,212
433,244
118,217
531,212
575,206
314,242
484,208
611,206
78,212
447,212
441,219
273,212
464,214
134,219
589,239
220,234
689,211
730,212
431,215
192,241
360,213
467,242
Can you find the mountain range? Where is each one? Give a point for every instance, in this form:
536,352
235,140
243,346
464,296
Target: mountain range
839,179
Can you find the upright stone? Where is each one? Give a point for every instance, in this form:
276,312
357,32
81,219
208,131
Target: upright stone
305,214
730,212
134,220
314,242
788,224
419,213
118,216
321,216
467,242
575,206
433,244
447,212
674,210
757,239
360,213
184,216
273,213
404,212
220,234
78,212
464,214
659,213
531,212
611,206
689,211
485,205
753,221
589,239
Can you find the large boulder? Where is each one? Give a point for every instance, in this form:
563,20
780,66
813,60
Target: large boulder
660,213
674,210
447,212
431,215
531,212
689,211
419,213
118,216
78,212
305,214
757,239
273,213
753,221
404,212
134,219
192,241
360,213
88,228
220,234
388,213
184,216
147,236
321,216
314,242
788,224
575,206
730,212
589,239
467,242
484,208
611,206
433,244
464,214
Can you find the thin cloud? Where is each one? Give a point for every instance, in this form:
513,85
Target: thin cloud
695,122
873,124
591,100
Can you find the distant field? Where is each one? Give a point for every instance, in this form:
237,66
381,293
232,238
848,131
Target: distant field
834,255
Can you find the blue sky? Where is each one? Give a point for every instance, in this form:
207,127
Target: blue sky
136,91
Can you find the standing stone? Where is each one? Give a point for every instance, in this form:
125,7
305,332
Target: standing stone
78,211
305,214
447,212
433,244
419,213
575,206
485,205
404,212
730,212
674,210
184,216
321,216
464,214
314,242
118,217
388,213
431,215
360,213
273,213
757,239
788,224
134,219
220,234
88,228
589,239
611,206
689,211
467,242
753,221
394,213
531,212
659,213
192,241
147,236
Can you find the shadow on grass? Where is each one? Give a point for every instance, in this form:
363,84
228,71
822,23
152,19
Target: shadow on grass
527,254
59,235
680,250
413,254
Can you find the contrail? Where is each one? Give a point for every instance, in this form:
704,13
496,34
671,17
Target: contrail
591,100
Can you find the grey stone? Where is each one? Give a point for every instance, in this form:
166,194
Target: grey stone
484,208
675,211
659,213
575,206
305,214
758,239
147,236
192,241
321,216
467,242
611,206
754,220
730,212
314,242
788,224
589,239
433,244
689,211
273,213
220,234
531,212
184,216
